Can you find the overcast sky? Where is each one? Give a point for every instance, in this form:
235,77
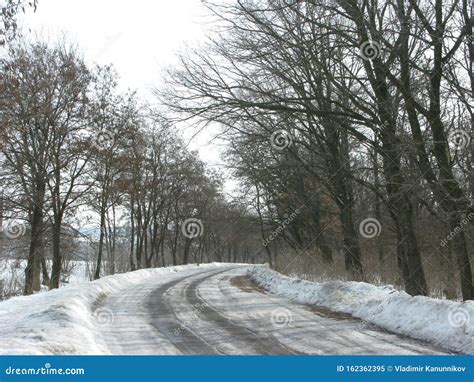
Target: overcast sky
140,38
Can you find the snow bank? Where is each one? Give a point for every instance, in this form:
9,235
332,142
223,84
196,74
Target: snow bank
65,320
441,322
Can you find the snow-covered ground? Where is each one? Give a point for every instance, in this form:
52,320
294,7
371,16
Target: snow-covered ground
65,320
215,309
446,323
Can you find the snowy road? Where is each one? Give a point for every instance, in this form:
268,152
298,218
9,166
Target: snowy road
219,311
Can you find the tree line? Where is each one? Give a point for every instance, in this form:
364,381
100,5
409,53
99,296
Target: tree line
367,106
73,144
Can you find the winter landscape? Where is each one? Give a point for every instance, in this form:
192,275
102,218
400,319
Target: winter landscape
249,177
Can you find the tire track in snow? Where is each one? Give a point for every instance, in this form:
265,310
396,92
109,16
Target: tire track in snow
261,344
165,320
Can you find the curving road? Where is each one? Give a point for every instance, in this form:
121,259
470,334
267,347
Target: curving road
219,311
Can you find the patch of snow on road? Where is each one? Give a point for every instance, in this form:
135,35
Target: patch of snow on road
442,322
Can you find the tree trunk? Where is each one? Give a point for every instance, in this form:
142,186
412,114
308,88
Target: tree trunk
448,263
162,248
101,243
33,267
37,270
378,211
341,186
132,236
57,258
113,243
36,245
415,281
462,257
352,256
401,257
262,229
44,268
401,210
187,247
321,242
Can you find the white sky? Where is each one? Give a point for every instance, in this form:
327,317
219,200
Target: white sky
139,38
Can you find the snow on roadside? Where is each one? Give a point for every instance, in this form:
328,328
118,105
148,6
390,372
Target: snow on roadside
64,321
446,323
